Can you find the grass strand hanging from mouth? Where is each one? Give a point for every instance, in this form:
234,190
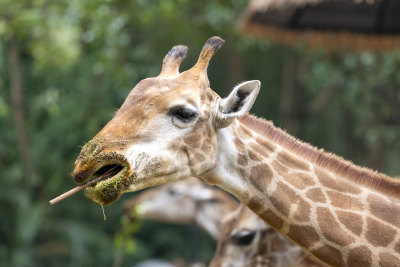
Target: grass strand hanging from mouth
104,215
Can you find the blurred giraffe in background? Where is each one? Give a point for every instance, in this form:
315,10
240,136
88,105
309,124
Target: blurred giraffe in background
247,241
185,201
243,238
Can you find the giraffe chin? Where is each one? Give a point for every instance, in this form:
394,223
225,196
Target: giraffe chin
108,190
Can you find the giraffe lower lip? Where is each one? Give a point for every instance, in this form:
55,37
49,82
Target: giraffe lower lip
109,188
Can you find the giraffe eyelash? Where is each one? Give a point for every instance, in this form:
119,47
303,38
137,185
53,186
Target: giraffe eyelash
183,114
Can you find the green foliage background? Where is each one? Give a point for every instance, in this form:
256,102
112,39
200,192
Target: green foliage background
79,60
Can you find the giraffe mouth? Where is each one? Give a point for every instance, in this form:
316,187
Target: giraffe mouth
105,173
109,185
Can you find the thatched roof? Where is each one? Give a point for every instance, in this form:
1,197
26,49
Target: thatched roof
333,24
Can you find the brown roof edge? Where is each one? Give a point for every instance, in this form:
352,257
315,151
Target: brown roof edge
329,40
355,42
263,5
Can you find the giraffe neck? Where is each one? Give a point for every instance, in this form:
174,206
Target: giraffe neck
341,213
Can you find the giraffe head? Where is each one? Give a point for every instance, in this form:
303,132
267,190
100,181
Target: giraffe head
165,130
246,240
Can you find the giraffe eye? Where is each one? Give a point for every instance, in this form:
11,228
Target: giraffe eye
244,238
183,114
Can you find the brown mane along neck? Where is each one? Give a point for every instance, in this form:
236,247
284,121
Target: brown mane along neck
336,164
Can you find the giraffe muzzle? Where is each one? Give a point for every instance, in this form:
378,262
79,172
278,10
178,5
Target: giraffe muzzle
110,170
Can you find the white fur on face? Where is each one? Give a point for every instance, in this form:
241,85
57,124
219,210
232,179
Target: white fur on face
155,150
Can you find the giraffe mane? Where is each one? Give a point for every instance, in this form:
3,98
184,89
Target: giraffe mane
336,164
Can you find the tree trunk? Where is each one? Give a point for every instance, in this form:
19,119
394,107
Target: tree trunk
288,91
291,108
236,65
18,106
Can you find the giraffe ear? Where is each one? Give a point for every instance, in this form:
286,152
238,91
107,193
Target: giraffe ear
238,103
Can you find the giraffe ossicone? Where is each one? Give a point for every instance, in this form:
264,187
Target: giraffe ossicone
174,126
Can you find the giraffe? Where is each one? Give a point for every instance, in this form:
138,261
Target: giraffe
184,201
174,126
247,241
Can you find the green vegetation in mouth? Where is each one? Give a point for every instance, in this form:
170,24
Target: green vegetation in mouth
108,190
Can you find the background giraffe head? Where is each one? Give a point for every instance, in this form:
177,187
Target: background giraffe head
246,240
165,130
185,201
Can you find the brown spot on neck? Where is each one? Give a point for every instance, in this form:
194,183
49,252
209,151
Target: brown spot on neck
337,184
299,180
330,255
303,210
283,197
239,145
258,149
387,210
256,204
388,260
331,229
304,235
351,221
316,195
291,162
267,145
272,219
359,256
242,159
343,201
378,234
255,156
279,168
261,176
244,133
